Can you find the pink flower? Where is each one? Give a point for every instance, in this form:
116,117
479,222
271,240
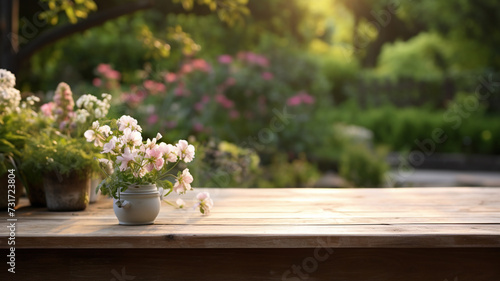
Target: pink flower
267,75
294,101
225,59
262,61
155,152
103,68
186,68
154,87
306,98
183,182
48,108
169,151
185,151
201,65
125,158
97,82
155,158
63,97
181,90
152,119
224,101
205,202
170,77
113,74
253,58
134,98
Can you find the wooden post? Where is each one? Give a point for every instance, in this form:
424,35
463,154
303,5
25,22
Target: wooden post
8,33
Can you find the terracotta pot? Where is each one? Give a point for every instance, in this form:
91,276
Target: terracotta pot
139,204
66,192
4,190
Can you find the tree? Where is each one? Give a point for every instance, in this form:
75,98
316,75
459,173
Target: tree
19,42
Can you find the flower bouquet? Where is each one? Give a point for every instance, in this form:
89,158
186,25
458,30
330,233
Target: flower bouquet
142,167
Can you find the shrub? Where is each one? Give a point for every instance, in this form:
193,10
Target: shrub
362,167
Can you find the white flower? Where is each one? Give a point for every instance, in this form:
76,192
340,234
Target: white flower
106,97
7,79
32,99
205,202
150,143
89,135
97,134
81,115
110,146
98,113
93,134
105,130
180,203
10,99
158,136
87,102
185,151
125,158
183,182
128,122
131,137
169,151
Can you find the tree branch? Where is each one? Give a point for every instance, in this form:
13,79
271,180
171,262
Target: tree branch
60,32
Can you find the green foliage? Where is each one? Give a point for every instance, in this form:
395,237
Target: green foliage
226,165
52,152
362,167
416,58
230,11
284,173
73,9
467,127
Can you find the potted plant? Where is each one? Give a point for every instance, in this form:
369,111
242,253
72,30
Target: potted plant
16,120
59,157
65,165
138,172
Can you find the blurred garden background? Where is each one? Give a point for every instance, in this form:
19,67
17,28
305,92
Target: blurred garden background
282,93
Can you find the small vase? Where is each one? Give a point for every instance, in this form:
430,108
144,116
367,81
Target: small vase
138,205
66,192
93,186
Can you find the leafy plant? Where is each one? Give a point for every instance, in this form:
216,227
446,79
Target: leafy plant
362,167
54,152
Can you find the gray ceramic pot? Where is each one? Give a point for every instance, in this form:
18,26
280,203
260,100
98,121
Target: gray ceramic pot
66,192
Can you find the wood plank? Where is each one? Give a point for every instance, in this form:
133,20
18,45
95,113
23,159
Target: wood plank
310,264
281,218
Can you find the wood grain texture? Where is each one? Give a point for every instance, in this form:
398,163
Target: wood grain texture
260,264
282,218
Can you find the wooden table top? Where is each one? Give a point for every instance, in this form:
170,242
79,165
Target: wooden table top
281,218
